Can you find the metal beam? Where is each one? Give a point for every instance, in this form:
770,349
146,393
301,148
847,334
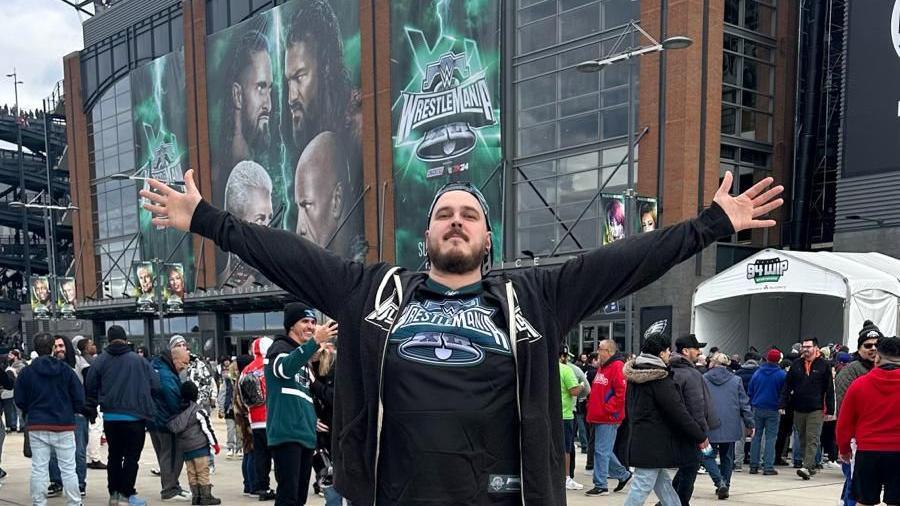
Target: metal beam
79,6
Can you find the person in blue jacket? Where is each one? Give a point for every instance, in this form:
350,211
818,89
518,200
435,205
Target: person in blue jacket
167,400
765,393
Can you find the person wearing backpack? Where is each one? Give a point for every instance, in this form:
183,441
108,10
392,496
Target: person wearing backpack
252,389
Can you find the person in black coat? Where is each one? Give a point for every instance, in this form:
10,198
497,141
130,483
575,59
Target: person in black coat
661,434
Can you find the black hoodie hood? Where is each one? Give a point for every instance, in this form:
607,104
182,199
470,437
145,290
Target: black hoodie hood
281,344
48,366
616,357
166,357
117,349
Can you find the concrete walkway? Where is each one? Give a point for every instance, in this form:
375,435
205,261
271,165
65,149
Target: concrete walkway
785,489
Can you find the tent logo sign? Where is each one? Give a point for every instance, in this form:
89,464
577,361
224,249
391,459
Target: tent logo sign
767,270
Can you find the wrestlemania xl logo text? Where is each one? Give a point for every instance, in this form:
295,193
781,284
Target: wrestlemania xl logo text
452,101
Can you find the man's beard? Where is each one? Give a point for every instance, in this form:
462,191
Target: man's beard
256,134
455,261
308,128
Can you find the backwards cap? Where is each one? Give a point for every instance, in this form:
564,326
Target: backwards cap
475,192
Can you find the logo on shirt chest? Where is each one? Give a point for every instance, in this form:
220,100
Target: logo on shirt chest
448,333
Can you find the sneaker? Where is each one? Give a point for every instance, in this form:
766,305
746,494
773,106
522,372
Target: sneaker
722,492
754,470
588,472
154,471
781,462
96,464
573,485
624,482
54,490
702,470
266,495
770,472
180,496
738,470
832,465
82,491
597,492
804,473
212,469
249,493
134,500
798,465
115,499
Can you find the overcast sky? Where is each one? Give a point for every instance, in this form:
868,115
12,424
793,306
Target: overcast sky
36,35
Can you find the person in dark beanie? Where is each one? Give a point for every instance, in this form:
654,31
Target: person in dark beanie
870,416
122,382
863,360
291,416
49,394
661,434
809,390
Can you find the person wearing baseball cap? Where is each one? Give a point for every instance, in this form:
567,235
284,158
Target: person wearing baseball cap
765,392
698,402
477,346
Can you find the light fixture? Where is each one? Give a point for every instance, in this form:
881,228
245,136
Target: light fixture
677,42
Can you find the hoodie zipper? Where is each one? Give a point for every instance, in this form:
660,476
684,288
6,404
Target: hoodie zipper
513,344
399,288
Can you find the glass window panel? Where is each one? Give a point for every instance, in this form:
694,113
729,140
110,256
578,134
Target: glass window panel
275,320
538,240
619,177
587,232
177,27
537,115
579,104
104,63
612,156
536,170
727,152
536,217
729,94
254,321
177,325
755,157
123,102
750,74
120,54
615,75
533,68
573,84
569,213
756,126
237,322
537,139
578,163
618,12
535,194
538,91
733,11
537,35
579,22
757,50
729,119
577,55
579,130
240,10
571,4
161,43
614,97
578,187
537,11
730,68
756,101
759,18
144,45
615,122
731,42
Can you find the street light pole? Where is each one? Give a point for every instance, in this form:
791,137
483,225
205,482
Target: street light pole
26,240
629,191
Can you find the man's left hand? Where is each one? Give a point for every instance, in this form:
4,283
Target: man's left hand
744,209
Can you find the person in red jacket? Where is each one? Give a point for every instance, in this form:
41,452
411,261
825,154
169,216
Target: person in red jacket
606,411
262,459
869,415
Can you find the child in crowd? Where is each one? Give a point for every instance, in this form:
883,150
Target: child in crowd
196,436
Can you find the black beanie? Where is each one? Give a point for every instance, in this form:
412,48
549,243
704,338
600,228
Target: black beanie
296,311
869,331
189,391
116,333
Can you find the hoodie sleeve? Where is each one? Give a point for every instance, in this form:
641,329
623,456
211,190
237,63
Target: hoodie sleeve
672,409
180,422
294,263
76,392
846,423
744,401
286,365
583,284
829,391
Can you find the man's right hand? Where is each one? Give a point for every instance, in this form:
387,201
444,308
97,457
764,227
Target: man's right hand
781,412
325,333
170,207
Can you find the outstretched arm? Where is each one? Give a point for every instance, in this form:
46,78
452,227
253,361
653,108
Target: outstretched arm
292,262
582,285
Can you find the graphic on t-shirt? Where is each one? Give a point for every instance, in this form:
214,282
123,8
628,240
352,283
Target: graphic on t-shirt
453,332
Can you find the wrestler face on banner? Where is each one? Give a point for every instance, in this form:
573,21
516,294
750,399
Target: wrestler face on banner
41,290
67,288
251,96
176,281
145,279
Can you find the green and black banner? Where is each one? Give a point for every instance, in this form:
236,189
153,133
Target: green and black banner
445,75
283,92
160,149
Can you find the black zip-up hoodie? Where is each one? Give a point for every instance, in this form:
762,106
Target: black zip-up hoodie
540,306
120,381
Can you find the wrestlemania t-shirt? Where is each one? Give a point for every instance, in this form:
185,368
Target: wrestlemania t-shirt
450,433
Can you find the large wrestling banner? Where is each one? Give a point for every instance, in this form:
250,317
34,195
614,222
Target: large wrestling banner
284,126
445,77
160,148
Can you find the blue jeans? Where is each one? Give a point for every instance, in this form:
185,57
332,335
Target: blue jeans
332,498
81,439
606,464
766,420
720,472
581,427
847,493
655,480
43,443
248,472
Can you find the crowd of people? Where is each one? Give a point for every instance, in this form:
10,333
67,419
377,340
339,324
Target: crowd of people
807,407
277,408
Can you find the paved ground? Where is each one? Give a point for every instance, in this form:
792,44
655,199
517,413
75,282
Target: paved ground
785,489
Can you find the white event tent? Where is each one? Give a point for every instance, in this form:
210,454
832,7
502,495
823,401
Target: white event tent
777,297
